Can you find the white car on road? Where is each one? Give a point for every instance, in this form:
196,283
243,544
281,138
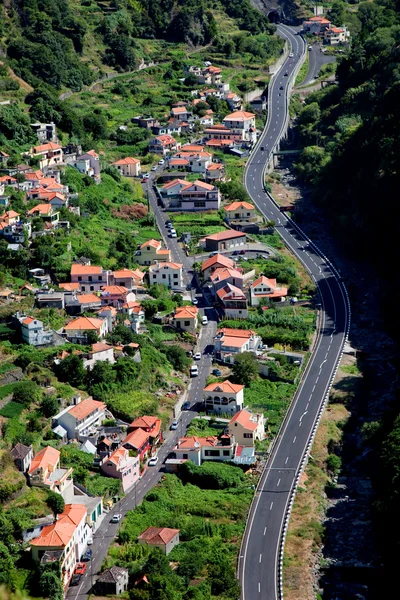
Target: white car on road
197,356
153,461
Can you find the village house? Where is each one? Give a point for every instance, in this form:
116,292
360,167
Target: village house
166,273
180,113
218,261
215,172
89,164
163,144
138,441
46,132
336,35
33,331
4,158
79,419
151,252
268,289
186,318
45,471
160,537
112,581
244,123
121,465
50,299
259,104
76,330
316,25
240,211
225,397
199,195
229,239
100,352
173,188
233,301
127,278
116,295
197,162
152,426
76,304
136,315
234,101
223,276
8,180
128,167
229,342
222,132
49,154
91,278
22,456
247,428
200,449
65,540
10,217
45,212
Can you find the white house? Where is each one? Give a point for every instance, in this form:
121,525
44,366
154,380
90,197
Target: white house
78,420
199,449
160,537
91,278
45,472
264,288
33,331
200,195
225,397
186,318
77,329
233,301
240,211
242,122
166,273
100,352
89,164
230,342
22,456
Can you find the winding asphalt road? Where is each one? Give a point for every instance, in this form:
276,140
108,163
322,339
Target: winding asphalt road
316,59
260,557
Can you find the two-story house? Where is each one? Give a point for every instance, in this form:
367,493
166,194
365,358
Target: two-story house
45,471
77,329
230,342
186,318
163,145
91,278
240,211
22,456
46,212
247,428
121,465
197,162
267,289
49,154
200,449
233,301
218,261
163,538
150,424
33,331
222,276
166,273
128,167
180,113
242,122
65,540
78,420
199,195
138,441
99,352
116,295
151,252
129,278
89,164
225,397
173,188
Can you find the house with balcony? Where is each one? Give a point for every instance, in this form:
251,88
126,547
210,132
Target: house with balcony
139,442
222,133
81,418
128,167
135,314
77,329
336,35
218,261
33,331
45,472
76,304
89,164
64,541
90,278
243,123
186,319
121,465
223,276
116,295
265,288
173,188
166,273
200,449
196,162
46,132
247,428
46,212
240,211
163,145
128,278
180,113
99,352
152,426
215,172
199,195
234,101
233,301
230,239
225,397
49,154
230,342
151,252
316,25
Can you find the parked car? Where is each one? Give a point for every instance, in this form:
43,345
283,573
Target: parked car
194,371
174,425
75,580
242,252
310,47
116,518
153,461
146,175
195,301
89,541
80,568
291,55
186,406
154,168
197,356
144,180
173,234
217,372
204,320
161,162
212,254
87,555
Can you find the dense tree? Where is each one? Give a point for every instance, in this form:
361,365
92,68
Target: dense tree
71,370
27,393
245,368
55,502
176,356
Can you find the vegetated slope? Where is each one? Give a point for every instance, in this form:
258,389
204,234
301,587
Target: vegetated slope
64,43
352,161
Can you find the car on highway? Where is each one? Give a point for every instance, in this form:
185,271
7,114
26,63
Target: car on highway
197,356
87,555
116,518
80,568
204,320
217,372
281,87
291,55
286,74
174,425
75,579
310,47
186,406
153,461
262,148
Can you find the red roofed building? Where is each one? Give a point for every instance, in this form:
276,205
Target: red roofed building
229,342
49,154
316,25
199,449
240,211
10,217
221,132
45,212
139,441
174,187
199,195
45,472
233,301
91,278
247,428
166,273
219,261
128,167
243,123
81,419
152,426
267,289
215,172
229,239
77,329
186,318
160,537
33,331
222,276
163,145
179,113
128,278
121,465
151,252
225,397
116,295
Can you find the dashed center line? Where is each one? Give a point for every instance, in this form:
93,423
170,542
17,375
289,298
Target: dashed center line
259,560
265,530
272,503
287,458
277,485
294,439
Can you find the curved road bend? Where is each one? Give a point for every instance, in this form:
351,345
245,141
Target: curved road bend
260,553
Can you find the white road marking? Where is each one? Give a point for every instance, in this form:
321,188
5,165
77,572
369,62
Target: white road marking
294,439
287,458
277,485
272,503
259,560
259,587
265,530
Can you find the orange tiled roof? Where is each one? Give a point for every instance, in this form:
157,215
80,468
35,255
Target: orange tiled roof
237,205
127,161
158,535
225,235
153,243
77,269
46,147
186,312
239,115
100,347
243,417
224,273
85,408
226,387
43,209
87,298
44,458
171,265
69,287
84,324
137,438
238,333
115,290
219,259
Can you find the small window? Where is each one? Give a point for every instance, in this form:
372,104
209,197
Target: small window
187,323
92,288
186,456
90,278
164,276
79,278
83,288
100,278
226,453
